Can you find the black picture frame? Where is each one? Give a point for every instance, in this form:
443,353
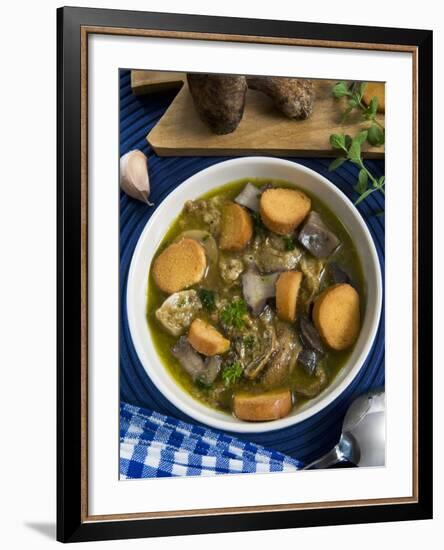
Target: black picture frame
71,526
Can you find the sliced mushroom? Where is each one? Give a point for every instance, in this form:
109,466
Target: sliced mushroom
257,289
309,335
267,345
309,359
284,360
211,370
205,372
312,268
189,359
249,197
337,274
317,238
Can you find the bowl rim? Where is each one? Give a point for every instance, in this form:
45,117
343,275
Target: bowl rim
198,414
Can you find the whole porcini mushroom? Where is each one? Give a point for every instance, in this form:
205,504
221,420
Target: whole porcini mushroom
294,97
134,179
219,100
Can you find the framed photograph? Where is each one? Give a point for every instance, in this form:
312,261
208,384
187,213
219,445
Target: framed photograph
244,331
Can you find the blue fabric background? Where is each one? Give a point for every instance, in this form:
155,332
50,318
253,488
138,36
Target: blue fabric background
309,439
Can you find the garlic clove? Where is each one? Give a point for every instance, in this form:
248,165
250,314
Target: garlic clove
134,180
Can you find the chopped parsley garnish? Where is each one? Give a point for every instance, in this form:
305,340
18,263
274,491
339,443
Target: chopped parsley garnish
208,298
289,243
232,315
232,373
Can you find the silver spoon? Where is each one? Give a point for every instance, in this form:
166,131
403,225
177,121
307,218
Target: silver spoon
362,441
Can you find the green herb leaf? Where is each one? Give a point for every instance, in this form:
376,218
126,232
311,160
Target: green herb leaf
361,137
354,153
361,186
232,315
340,90
353,103
373,107
336,163
370,111
375,136
379,184
337,141
365,195
289,243
208,298
362,87
232,373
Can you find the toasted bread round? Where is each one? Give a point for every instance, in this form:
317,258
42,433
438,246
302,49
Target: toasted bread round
287,289
336,315
375,89
179,266
236,227
206,339
282,210
262,407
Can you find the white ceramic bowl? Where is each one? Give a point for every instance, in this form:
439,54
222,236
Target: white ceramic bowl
154,232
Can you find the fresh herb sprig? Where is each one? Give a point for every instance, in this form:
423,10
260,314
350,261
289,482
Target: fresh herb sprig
354,94
232,315
232,373
351,150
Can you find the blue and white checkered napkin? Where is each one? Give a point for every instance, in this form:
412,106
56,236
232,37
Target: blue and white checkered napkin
154,445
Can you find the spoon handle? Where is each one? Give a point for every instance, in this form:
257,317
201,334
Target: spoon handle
335,456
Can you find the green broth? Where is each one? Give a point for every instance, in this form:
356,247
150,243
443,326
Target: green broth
346,256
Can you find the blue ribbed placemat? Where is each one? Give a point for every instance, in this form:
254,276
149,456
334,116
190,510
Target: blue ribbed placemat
319,433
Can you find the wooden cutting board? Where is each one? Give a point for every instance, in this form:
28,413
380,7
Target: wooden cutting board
262,130
146,82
